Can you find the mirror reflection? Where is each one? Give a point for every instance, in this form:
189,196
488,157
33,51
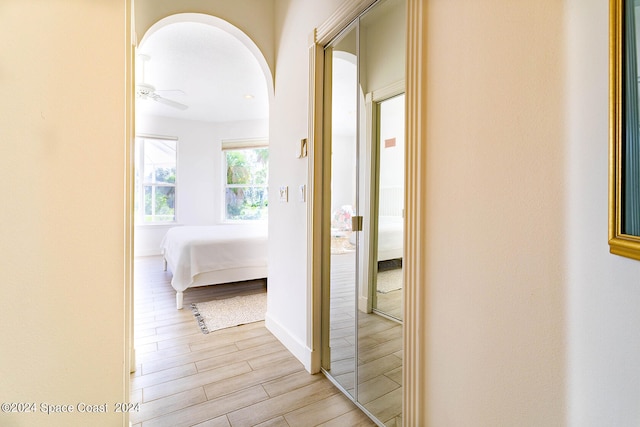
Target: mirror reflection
390,208
363,292
341,61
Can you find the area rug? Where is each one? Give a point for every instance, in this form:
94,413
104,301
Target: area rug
229,312
388,281
341,245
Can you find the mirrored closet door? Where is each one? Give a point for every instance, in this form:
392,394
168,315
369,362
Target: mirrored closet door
342,85
364,210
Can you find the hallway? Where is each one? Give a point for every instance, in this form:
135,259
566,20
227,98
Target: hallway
239,376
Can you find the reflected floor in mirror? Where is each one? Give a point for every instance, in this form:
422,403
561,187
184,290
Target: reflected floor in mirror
379,347
389,294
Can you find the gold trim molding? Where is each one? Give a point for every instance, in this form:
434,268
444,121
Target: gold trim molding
416,321
342,17
318,39
619,243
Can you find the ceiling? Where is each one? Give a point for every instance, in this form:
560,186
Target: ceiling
205,68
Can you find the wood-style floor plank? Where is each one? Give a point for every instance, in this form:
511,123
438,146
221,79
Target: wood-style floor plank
241,376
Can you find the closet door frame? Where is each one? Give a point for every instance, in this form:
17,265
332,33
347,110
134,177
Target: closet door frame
416,362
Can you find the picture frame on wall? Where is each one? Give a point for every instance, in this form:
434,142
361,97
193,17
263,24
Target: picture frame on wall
624,129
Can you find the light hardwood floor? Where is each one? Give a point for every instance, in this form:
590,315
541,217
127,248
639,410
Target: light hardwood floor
239,376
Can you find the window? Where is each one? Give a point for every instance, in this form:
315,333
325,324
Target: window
155,180
247,174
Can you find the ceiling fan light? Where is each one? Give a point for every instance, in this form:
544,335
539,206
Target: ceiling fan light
144,89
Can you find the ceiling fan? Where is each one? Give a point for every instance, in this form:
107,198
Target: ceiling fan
147,91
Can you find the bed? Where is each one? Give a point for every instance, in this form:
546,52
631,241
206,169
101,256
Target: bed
390,237
210,255
390,223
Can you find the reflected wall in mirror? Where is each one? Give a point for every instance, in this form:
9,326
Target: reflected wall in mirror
624,130
341,103
388,230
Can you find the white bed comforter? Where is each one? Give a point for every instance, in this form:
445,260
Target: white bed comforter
390,237
192,250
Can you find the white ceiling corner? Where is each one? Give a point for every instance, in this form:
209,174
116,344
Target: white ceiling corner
205,68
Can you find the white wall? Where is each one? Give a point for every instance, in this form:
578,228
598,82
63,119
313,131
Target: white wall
62,250
253,17
603,290
496,231
200,174
392,158
288,290
532,321
343,179
380,37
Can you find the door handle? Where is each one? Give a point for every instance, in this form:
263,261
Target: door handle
356,223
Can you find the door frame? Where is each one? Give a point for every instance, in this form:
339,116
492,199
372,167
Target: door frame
319,164
415,264
370,273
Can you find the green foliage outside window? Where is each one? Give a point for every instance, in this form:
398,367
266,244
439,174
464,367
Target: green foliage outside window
246,196
155,180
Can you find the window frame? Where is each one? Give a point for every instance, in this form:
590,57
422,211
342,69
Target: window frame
140,183
239,145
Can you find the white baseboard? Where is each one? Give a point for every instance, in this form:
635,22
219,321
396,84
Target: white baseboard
147,252
363,304
299,350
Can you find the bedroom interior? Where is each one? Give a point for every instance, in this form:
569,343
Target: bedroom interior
199,87
203,63
201,208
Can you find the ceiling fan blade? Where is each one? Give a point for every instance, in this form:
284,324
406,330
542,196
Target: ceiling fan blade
180,91
170,103
146,91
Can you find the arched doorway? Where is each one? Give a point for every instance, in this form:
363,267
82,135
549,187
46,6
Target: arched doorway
200,81
197,78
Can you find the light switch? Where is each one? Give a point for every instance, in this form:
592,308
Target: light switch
302,196
284,193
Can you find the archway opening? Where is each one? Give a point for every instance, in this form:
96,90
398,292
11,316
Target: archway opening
201,83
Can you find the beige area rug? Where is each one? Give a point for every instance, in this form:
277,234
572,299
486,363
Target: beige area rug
229,312
389,281
341,245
